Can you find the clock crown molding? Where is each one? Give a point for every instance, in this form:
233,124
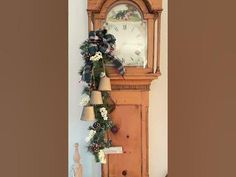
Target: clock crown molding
153,6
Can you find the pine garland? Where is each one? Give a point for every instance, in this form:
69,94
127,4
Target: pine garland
96,52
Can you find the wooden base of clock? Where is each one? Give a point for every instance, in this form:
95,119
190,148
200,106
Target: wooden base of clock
131,117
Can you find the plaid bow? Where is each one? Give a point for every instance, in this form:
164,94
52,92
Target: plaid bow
101,41
118,64
86,75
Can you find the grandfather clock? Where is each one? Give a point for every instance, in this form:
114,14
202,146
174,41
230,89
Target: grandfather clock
136,26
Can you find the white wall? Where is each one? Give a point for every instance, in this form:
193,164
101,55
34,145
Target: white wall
158,137
158,98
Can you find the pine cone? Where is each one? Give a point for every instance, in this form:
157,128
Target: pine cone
95,147
97,125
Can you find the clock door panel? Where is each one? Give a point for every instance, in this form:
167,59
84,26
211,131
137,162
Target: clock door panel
128,119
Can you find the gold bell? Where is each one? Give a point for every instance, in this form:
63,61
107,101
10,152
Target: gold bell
105,84
96,98
88,114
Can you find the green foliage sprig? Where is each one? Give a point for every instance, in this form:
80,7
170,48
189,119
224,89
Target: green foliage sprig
91,74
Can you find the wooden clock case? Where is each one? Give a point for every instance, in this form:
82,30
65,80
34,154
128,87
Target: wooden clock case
131,92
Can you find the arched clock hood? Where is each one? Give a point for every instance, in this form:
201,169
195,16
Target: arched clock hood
151,13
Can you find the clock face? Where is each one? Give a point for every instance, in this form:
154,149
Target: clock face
125,22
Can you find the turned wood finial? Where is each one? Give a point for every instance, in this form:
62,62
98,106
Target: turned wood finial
77,166
76,153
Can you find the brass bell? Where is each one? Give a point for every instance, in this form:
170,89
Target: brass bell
105,84
96,98
88,114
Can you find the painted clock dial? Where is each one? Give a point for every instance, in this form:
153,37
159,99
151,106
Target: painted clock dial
126,23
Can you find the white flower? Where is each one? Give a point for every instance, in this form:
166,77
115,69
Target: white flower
102,157
104,113
84,100
90,136
102,109
102,74
105,117
96,57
